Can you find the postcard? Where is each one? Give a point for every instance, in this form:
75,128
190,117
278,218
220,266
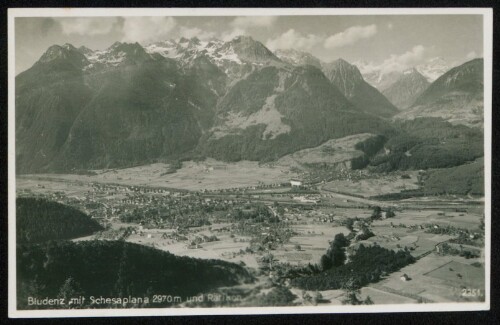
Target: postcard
248,161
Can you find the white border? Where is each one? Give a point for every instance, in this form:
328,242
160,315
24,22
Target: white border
487,14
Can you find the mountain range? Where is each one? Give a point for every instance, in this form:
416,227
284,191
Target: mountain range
381,78
457,96
77,108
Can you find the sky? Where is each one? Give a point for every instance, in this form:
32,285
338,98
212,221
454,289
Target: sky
386,42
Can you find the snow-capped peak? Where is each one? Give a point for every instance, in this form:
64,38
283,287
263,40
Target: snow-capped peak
433,68
225,55
296,58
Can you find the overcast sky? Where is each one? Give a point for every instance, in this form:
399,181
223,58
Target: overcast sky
391,41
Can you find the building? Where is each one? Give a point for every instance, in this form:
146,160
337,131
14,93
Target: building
295,182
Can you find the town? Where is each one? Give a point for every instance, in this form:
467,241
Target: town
276,228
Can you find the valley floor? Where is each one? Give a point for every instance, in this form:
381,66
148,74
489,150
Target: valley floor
309,222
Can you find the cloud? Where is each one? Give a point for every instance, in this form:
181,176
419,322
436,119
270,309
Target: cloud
147,29
87,26
350,36
189,32
257,21
227,36
295,40
397,62
405,60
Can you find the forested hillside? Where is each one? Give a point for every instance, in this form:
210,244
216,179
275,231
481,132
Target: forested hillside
116,269
465,179
429,143
39,220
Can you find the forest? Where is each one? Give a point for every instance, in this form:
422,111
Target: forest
39,220
116,269
368,264
428,143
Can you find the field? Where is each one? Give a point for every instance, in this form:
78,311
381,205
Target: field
209,174
226,248
466,275
383,297
432,280
368,187
313,240
468,220
334,153
38,186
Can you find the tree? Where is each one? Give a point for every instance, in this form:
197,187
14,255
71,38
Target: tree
317,298
390,213
349,224
351,288
278,296
377,213
340,240
336,252
368,301
326,262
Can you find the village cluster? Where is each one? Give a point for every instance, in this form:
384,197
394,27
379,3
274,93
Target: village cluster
278,227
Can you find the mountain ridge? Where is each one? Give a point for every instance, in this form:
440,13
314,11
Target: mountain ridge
456,96
77,108
350,81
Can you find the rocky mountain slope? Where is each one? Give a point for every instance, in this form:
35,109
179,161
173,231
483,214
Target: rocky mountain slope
406,89
108,112
348,79
275,111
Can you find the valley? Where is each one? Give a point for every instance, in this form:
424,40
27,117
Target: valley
191,168
208,210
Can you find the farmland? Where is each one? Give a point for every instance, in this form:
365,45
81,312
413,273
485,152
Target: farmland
209,175
249,215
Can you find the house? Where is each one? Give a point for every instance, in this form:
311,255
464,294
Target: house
295,182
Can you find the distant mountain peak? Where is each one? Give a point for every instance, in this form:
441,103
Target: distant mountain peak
410,84
69,46
297,58
85,50
115,45
412,70
243,39
66,52
248,49
344,69
433,68
341,61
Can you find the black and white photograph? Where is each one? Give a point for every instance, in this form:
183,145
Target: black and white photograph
248,161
